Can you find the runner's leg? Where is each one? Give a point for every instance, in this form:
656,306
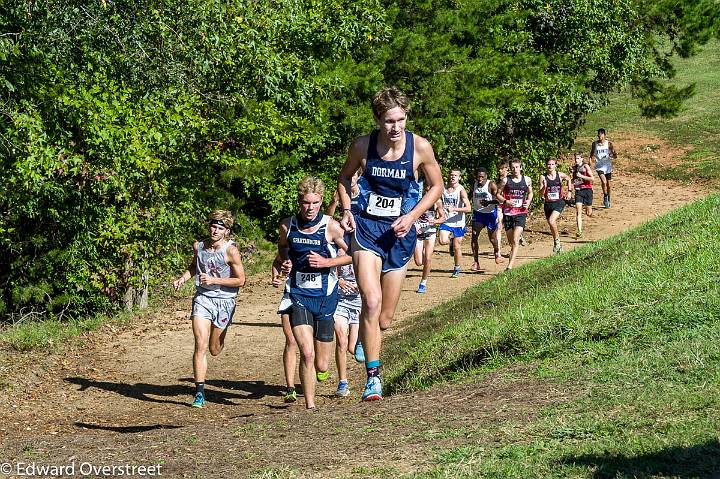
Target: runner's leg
514,240
289,352
578,219
201,332
428,248
304,338
367,271
341,345
217,340
391,287
476,228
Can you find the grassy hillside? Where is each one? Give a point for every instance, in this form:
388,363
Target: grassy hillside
697,125
634,319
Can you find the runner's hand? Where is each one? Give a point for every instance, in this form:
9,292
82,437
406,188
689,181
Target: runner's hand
350,287
316,261
206,279
178,282
286,267
347,221
402,225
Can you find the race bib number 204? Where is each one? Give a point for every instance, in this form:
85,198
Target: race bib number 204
383,206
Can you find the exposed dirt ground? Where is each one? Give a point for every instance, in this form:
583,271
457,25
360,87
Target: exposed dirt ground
122,396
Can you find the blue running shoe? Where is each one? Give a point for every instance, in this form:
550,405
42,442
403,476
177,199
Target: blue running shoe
199,400
456,272
342,389
422,288
359,352
373,389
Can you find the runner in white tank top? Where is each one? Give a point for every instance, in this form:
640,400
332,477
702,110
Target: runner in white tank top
484,216
219,273
602,152
456,203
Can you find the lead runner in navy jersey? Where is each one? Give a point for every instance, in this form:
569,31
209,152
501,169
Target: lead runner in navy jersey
388,207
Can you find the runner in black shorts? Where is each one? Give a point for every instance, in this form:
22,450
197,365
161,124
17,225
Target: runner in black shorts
515,195
554,197
582,180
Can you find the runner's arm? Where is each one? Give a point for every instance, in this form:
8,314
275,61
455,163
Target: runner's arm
570,188
529,197
332,206
613,155
543,185
190,271
440,216
237,271
335,234
466,207
499,196
493,190
281,265
354,161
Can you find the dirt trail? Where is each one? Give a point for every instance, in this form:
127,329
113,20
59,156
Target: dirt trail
122,398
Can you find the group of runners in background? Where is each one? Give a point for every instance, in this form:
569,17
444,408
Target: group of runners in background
342,278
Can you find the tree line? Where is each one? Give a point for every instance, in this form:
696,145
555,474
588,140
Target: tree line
122,123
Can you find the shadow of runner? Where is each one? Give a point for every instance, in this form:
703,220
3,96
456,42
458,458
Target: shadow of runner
126,429
144,392
255,389
699,461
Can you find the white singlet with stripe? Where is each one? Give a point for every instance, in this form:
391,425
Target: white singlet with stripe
482,193
603,160
456,220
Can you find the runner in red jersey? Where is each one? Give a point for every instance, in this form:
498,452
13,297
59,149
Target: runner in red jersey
582,180
515,195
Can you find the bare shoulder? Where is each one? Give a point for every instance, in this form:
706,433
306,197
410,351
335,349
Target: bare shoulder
233,252
196,246
358,148
285,225
423,147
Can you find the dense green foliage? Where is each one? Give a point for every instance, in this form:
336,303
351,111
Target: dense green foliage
123,123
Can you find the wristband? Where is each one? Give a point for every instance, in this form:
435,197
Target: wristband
345,209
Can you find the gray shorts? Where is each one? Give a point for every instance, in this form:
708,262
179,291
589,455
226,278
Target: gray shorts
349,311
219,311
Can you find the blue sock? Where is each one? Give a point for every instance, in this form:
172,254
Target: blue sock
200,388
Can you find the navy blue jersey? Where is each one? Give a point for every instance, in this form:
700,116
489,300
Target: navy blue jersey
304,279
388,188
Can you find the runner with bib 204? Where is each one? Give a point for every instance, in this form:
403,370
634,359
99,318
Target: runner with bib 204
388,207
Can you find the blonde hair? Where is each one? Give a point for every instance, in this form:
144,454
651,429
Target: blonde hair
311,184
387,99
222,215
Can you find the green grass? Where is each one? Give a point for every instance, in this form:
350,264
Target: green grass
52,333
633,319
698,124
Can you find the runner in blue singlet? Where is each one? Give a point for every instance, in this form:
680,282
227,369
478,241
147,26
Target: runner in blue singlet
309,240
384,228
